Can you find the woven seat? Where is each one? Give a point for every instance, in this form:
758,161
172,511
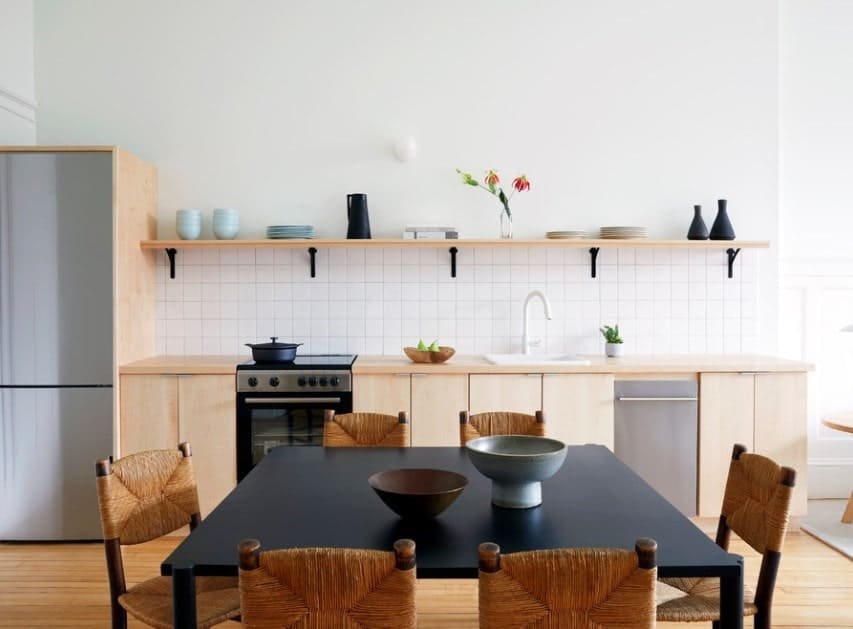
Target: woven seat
142,497
755,506
365,430
499,423
570,588
328,587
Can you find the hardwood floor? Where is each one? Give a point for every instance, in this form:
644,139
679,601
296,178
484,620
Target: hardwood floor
65,585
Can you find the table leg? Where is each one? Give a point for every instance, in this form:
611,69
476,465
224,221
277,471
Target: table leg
847,518
731,599
183,597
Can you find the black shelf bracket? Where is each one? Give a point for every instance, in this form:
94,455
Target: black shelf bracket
312,251
453,252
171,253
732,254
593,256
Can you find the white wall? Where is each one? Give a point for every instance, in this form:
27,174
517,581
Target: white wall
17,95
619,112
816,136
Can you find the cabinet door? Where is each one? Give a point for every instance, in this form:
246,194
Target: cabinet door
436,402
382,393
149,413
726,412
781,427
506,392
579,408
207,415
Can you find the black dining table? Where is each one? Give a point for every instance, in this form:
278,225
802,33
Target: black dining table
314,496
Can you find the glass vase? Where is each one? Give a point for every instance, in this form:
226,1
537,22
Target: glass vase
506,225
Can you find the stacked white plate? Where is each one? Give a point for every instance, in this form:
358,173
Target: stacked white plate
290,231
567,233
624,232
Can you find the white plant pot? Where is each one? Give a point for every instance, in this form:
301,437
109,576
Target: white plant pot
613,349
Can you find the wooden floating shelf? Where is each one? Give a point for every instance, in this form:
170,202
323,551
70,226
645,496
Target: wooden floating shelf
594,245
585,243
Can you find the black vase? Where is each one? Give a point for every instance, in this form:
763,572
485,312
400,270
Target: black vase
698,230
722,228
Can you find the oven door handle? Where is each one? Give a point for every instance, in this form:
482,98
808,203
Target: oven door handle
292,400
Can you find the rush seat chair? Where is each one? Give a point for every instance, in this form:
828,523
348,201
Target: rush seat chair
755,506
355,430
499,423
568,588
328,587
142,497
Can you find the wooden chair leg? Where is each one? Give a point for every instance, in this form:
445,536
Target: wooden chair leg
119,615
762,620
847,518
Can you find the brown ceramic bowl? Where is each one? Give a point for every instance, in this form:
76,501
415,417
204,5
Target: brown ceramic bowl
416,492
426,356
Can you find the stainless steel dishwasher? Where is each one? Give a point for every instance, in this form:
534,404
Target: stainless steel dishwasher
657,425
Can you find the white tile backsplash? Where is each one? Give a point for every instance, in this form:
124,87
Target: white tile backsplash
376,300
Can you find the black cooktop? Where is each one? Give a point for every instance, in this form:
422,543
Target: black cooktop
305,361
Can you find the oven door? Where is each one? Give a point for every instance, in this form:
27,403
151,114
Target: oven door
269,420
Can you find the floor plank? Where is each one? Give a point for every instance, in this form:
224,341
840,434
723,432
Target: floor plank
65,585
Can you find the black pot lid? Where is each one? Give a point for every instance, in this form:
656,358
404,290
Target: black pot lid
273,345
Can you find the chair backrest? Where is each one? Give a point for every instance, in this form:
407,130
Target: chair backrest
569,587
756,507
499,423
328,587
354,430
147,495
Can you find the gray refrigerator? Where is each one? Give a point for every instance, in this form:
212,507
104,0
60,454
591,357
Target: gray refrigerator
56,342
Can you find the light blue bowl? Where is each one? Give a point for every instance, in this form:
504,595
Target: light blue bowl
225,232
188,231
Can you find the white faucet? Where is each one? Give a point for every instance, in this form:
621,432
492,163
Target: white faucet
525,337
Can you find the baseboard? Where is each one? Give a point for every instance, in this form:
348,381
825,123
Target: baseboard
830,478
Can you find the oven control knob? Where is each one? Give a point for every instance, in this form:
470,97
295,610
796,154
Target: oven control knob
312,381
274,382
253,382
301,381
323,382
334,381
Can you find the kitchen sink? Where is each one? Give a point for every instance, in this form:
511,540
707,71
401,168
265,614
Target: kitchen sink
535,359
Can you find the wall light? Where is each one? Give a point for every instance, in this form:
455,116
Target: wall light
405,149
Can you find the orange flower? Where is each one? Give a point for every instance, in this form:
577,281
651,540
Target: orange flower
492,179
520,183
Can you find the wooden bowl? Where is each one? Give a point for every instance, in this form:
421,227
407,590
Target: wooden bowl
426,356
418,493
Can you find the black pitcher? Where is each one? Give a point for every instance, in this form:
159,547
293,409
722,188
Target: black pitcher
359,222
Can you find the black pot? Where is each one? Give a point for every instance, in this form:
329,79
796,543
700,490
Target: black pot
273,352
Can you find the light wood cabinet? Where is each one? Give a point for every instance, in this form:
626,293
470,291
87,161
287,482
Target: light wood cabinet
433,402
505,392
766,412
149,413
781,428
382,393
579,408
206,419
436,402
159,411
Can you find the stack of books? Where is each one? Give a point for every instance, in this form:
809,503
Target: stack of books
430,233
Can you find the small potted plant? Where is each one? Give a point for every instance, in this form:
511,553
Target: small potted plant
613,346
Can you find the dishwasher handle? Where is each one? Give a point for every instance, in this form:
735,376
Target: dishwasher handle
656,399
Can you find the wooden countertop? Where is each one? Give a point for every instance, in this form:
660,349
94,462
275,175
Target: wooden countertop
365,364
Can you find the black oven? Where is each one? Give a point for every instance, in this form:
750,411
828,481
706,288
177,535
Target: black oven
283,404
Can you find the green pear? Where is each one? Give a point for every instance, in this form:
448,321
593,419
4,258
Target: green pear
434,347
421,345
